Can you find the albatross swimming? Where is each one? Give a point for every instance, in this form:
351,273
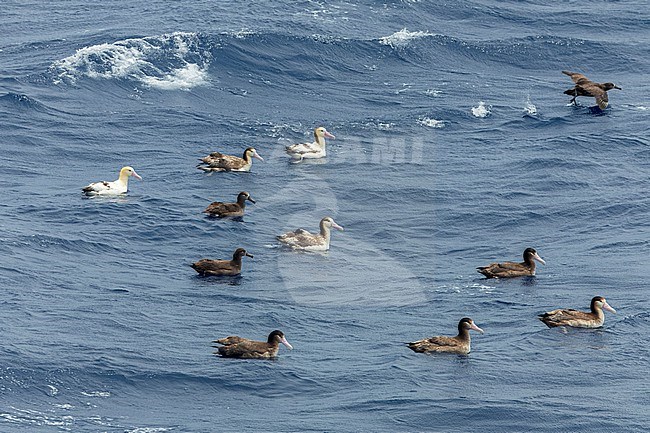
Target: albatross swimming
219,209
313,150
209,267
578,319
512,269
238,347
460,344
217,161
303,240
119,186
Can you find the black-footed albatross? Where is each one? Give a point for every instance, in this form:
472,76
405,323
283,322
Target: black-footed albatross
513,269
460,344
585,87
220,209
221,267
238,347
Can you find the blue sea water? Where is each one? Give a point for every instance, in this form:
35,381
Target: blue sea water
455,147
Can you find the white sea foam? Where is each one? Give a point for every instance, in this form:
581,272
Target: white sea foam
431,122
376,124
149,430
243,33
168,62
482,110
326,39
530,108
433,92
96,394
36,418
402,38
185,78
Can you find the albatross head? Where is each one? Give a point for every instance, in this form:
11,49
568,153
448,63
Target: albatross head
126,172
321,132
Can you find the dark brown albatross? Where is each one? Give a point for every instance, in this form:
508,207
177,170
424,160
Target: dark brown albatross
220,209
579,319
209,267
238,347
513,269
460,344
585,87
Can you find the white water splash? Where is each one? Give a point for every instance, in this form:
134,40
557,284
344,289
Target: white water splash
433,92
402,38
36,418
169,62
431,122
243,33
184,78
482,110
149,430
96,394
530,108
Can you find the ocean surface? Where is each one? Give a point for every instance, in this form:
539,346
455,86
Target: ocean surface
455,147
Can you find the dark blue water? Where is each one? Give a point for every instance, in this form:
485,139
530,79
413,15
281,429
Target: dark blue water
455,147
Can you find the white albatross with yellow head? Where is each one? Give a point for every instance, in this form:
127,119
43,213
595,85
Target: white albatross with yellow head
117,187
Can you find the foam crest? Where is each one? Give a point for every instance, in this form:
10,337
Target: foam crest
402,38
185,78
482,110
168,62
243,33
433,92
431,122
530,108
